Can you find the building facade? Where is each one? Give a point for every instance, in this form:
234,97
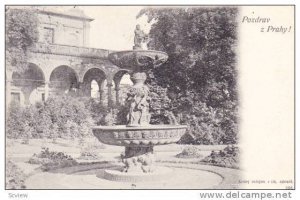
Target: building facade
62,62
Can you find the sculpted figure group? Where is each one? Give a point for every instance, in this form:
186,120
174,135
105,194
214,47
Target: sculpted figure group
142,163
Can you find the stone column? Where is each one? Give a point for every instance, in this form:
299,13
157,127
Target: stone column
80,90
46,90
27,91
8,86
109,94
117,89
101,91
84,89
88,89
8,91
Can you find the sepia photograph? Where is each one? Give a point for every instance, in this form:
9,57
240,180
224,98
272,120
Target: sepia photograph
149,97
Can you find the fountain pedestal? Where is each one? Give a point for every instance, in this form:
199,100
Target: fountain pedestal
138,159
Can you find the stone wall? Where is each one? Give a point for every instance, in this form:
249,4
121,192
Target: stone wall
60,28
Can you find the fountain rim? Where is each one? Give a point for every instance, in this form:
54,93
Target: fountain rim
148,127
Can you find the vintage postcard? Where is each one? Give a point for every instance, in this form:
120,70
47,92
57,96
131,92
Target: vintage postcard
149,97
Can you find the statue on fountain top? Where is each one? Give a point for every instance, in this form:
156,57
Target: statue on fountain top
139,38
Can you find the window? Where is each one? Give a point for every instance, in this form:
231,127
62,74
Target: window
15,97
43,96
73,39
48,35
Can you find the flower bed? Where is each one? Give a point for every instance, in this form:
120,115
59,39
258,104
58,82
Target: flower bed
190,152
52,159
229,157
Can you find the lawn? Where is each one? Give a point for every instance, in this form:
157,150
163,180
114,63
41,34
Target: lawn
17,151
20,153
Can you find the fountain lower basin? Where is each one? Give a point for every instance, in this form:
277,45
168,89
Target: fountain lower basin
139,142
149,135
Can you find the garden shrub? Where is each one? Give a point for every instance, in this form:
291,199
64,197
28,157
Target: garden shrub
15,177
207,125
70,116
89,153
160,105
52,159
190,152
104,115
228,157
58,117
15,125
96,110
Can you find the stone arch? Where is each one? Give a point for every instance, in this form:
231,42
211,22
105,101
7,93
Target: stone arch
91,74
118,76
32,80
33,73
63,79
88,67
120,91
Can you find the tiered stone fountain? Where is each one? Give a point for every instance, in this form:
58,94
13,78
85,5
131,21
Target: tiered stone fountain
138,136
139,139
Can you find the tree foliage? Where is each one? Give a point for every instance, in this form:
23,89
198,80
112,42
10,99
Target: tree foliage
200,75
21,33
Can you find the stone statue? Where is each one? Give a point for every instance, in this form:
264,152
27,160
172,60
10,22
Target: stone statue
137,99
146,162
130,163
139,37
142,163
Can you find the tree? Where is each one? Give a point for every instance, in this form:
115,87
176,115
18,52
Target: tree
200,74
21,33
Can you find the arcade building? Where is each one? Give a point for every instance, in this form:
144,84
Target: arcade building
62,62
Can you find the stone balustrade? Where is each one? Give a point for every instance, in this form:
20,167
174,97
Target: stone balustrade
59,49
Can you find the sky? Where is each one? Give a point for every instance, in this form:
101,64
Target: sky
113,27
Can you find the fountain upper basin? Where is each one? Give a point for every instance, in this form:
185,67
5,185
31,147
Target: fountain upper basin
149,135
133,59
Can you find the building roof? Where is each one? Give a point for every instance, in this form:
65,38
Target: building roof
64,11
